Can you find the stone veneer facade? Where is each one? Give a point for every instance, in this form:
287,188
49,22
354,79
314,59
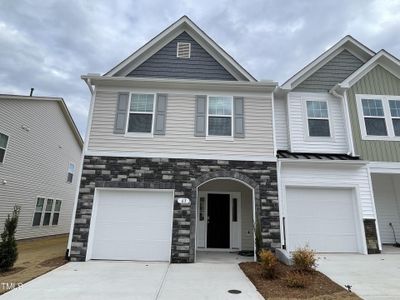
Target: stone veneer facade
184,176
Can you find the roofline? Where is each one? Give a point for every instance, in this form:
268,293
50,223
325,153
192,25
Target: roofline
324,56
254,86
183,20
62,104
365,68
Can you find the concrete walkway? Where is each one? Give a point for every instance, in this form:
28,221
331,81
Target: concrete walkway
137,280
375,276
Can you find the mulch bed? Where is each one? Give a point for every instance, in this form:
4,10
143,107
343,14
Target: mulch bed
320,287
53,262
11,271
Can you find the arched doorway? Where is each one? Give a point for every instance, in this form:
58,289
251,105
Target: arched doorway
225,218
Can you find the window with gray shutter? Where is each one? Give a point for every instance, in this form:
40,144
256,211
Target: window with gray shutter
161,114
121,113
238,121
200,119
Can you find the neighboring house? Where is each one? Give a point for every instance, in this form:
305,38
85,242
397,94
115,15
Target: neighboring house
338,139
179,155
40,152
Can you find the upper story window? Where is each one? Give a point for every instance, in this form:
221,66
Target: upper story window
374,117
318,119
3,146
220,116
71,172
379,116
141,112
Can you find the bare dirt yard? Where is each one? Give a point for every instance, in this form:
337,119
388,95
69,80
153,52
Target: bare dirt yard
320,287
36,257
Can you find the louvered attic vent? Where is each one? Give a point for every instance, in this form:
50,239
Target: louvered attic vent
183,50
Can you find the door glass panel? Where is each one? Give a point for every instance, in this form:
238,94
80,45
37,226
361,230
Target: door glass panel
234,210
202,208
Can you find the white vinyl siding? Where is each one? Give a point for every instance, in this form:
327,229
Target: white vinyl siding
281,127
329,175
179,138
300,141
36,163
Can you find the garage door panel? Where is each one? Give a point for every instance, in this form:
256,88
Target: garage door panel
132,225
322,218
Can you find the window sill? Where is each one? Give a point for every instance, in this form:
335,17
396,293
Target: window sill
319,139
139,135
381,138
220,138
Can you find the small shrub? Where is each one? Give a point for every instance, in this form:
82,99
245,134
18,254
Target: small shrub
269,262
296,279
304,259
8,245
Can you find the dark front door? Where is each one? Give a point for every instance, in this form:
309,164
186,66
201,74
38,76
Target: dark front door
218,221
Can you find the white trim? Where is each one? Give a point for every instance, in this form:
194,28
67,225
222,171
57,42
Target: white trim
273,122
220,137
348,124
5,149
182,155
384,167
95,208
348,43
308,137
253,207
387,117
185,24
362,243
141,134
382,58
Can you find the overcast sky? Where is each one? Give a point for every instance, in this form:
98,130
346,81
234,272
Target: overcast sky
49,44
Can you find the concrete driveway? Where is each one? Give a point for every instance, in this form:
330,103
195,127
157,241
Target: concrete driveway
137,280
375,276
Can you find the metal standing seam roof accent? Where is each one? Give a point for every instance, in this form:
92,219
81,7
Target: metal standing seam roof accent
322,156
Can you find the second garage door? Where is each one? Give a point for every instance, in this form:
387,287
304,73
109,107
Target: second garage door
132,225
325,219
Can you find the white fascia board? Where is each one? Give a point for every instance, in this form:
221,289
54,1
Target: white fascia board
383,59
347,42
261,86
184,24
384,167
291,161
269,158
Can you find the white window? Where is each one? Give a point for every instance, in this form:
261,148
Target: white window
3,146
71,172
220,117
141,112
379,117
318,119
47,211
395,114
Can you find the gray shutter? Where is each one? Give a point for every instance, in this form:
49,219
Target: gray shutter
122,113
200,119
161,114
238,115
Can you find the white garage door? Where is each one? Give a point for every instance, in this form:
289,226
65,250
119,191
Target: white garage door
132,225
325,219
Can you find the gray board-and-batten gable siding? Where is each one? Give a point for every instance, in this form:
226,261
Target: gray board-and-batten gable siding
165,63
336,70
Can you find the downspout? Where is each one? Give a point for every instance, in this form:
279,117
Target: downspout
347,119
88,124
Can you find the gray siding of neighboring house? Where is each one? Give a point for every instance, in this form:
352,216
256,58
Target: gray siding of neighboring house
376,82
36,163
333,72
165,64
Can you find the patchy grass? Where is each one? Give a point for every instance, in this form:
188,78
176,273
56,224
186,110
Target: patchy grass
36,257
319,286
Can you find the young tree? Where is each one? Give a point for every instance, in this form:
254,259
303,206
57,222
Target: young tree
8,245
